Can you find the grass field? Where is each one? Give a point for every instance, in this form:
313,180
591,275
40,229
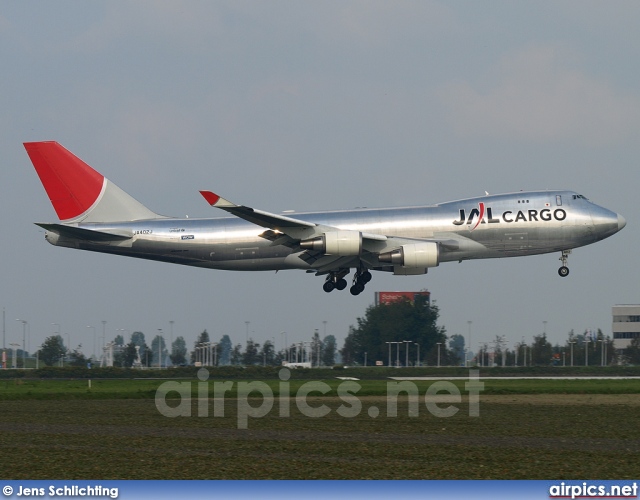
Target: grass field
533,429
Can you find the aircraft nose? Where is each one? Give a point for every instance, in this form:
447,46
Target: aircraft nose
621,222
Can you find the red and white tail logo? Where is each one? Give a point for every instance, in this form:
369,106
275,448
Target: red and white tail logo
72,185
77,192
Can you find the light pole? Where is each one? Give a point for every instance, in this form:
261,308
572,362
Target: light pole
24,342
68,352
586,351
171,335
572,342
104,328
94,339
209,349
159,347
469,343
438,344
601,352
247,325
504,352
499,342
418,356
14,359
284,345
406,363
3,362
58,333
389,344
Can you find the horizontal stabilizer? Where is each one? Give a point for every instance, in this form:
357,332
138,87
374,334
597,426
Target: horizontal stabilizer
84,234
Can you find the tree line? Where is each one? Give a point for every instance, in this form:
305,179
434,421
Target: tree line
316,351
401,333
406,333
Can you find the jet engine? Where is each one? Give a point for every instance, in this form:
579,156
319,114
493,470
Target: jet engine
343,243
416,255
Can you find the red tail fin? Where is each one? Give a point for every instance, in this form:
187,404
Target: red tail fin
79,193
72,185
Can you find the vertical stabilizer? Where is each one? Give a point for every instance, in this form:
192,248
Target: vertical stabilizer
77,192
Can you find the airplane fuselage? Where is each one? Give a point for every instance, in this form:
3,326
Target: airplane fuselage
507,225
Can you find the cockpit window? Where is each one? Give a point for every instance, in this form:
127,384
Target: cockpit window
579,197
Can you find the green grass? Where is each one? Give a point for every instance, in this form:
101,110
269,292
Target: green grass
47,389
526,430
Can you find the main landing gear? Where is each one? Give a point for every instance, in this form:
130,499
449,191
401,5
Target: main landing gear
564,270
336,281
361,278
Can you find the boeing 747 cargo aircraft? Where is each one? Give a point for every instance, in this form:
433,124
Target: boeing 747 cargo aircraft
97,215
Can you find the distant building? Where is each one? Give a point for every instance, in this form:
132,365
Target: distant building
626,324
390,297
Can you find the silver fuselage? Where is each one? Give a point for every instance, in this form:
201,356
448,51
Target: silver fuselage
506,225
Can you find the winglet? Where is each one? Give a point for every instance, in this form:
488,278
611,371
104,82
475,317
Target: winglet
216,201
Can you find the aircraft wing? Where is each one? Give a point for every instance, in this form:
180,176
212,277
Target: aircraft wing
296,234
296,229
286,225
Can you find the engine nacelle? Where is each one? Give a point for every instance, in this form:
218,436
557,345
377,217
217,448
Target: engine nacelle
343,243
416,255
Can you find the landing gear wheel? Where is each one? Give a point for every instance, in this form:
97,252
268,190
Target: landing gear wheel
564,258
328,286
357,289
365,277
341,284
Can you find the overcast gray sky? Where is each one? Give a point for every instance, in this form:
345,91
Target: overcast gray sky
312,106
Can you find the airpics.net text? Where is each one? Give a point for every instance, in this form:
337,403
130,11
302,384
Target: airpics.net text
441,398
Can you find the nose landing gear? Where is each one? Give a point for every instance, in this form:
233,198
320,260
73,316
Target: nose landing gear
564,270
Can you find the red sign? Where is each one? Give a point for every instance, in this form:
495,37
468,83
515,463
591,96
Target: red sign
391,297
